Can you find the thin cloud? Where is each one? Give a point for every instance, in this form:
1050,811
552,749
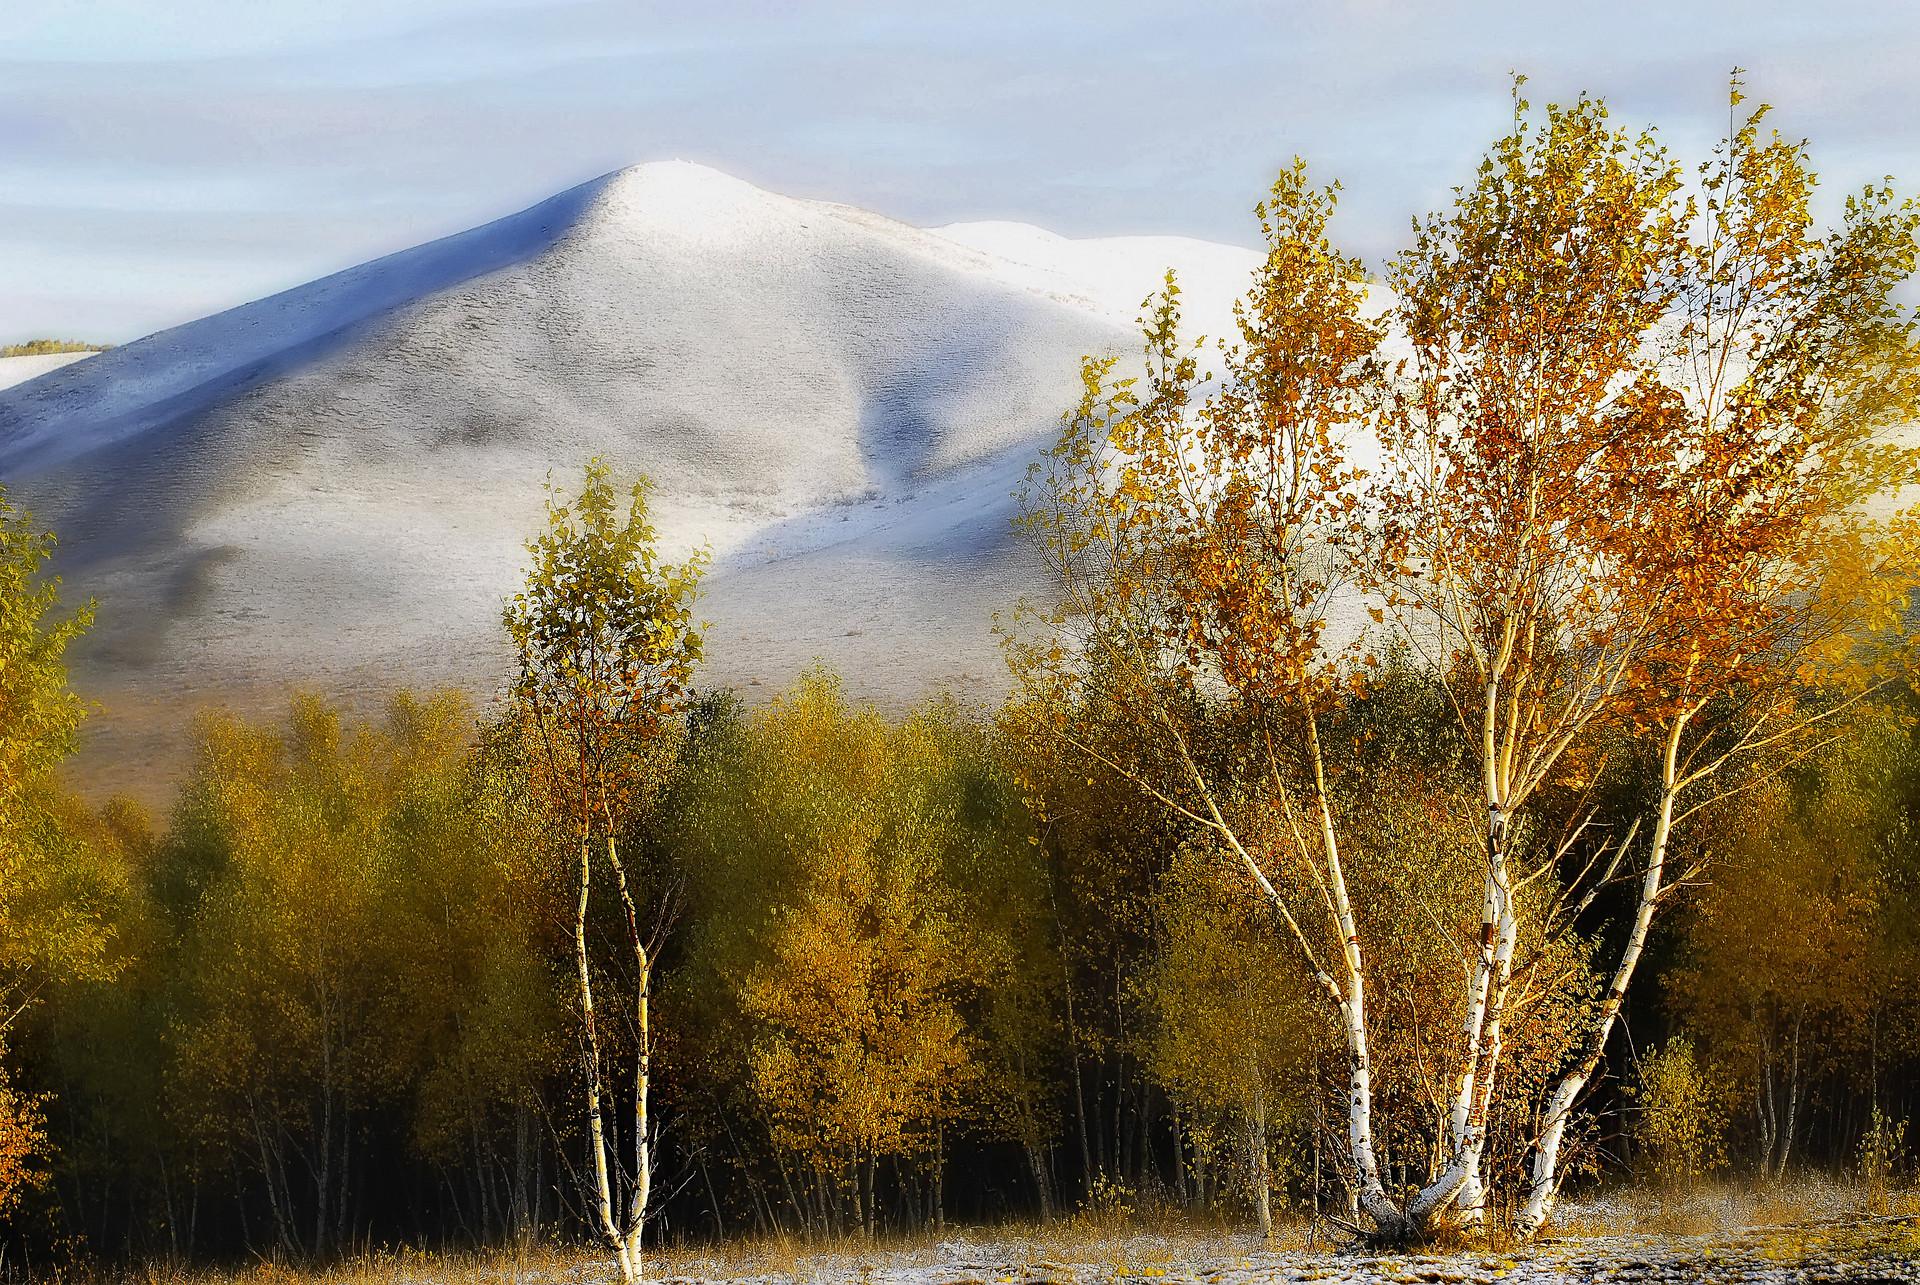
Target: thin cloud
216,154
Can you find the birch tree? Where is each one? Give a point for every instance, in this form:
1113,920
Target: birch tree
607,645
1624,496
1778,560
1195,532
1624,472
1518,484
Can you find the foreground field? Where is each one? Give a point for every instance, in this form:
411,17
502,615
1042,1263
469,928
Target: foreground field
1810,1233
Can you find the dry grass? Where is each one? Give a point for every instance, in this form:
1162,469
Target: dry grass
1120,1246
536,1262
1782,1224
1726,1208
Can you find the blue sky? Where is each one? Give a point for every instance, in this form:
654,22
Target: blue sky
160,159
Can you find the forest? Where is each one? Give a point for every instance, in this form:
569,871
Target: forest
1466,753
48,347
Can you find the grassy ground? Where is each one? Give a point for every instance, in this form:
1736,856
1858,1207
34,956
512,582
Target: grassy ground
1808,1232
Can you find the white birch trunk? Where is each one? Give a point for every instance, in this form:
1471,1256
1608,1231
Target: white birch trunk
642,1192
1466,1121
1469,1203
1793,1101
622,1230
1348,993
1371,1192
1386,1215
602,1193
1458,1184
628,1237
1543,1185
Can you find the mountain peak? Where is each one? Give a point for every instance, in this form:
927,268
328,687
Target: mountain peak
678,171
834,402
681,196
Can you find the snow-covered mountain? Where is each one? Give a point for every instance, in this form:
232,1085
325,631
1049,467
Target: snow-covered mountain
331,486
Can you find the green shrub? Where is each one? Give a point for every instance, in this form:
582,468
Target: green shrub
1681,1128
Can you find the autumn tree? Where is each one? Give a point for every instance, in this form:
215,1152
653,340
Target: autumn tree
280,1041
1620,493
1105,845
326,979
1197,532
607,645
1790,979
1007,902
39,722
862,1053
47,929
1625,472
863,954
1678,1119
474,889
1526,306
339,938
1231,1039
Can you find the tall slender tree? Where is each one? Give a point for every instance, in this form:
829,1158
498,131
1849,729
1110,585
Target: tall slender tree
1197,533
1777,559
607,646
1521,476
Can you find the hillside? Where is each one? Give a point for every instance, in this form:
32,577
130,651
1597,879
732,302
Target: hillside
331,485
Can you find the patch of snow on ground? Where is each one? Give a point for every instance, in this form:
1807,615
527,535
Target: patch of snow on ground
18,370
1853,1249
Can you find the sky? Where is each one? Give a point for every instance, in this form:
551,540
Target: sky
162,159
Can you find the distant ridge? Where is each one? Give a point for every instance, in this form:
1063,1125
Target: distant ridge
331,485
180,370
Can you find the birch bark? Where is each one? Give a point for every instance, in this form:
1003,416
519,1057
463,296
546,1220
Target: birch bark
1544,1175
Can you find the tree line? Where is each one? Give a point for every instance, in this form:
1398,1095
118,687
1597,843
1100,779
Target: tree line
1464,748
48,347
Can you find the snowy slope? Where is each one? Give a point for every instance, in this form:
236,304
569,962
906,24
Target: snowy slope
18,370
1116,274
331,486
